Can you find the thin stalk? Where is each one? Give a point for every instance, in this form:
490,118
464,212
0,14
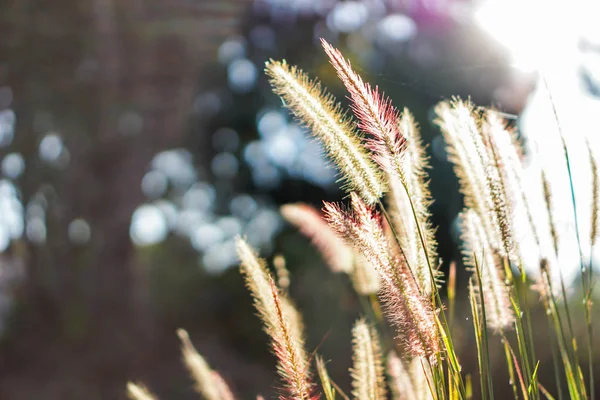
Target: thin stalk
527,313
339,390
398,277
435,381
469,386
534,380
587,288
443,326
477,329
572,346
511,368
590,342
554,321
545,392
451,287
566,353
555,364
524,352
420,231
484,331
519,374
528,342
441,378
439,363
436,296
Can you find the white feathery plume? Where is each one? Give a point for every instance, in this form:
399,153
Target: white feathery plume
321,114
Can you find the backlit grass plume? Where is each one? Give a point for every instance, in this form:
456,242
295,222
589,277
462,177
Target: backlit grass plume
390,136
420,371
401,382
595,222
321,114
337,254
406,308
409,200
506,150
281,322
408,379
394,255
364,276
479,255
207,382
367,372
476,166
139,392
375,113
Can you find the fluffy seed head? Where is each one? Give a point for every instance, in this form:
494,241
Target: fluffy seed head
477,176
518,194
365,278
401,382
322,115
207,382
139,392
550,209
420,371
499,176
375,113
282,323
406,308
479,254
388,139
409,380
337,254
368,382
595,228
409,200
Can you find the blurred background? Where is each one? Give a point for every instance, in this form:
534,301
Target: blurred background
139,137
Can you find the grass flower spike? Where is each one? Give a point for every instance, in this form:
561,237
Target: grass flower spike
381,121
479,254
337,254
320,113
507,151
281,322
401,382
365,278
139,392
368,381
595,221
422,378
208,383
406,308
375,113
409,201
409,380
476,165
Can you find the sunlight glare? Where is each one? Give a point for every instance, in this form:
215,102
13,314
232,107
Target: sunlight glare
537,33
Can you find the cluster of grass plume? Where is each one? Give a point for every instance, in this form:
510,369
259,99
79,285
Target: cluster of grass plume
391,256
